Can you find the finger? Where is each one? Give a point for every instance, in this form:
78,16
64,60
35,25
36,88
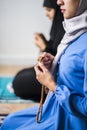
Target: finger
43,68
38,69
42,56
36,37
45,59
35,68
36,33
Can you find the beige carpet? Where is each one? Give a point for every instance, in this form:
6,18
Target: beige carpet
10,70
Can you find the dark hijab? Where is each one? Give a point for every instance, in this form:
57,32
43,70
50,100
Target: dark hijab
57,31
50,4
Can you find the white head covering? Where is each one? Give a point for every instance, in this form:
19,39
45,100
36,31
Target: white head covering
72,30
82,7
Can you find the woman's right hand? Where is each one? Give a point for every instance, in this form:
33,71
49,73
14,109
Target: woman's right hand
40,41
46,59
44,76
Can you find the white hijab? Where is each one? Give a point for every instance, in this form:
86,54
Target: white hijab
72,30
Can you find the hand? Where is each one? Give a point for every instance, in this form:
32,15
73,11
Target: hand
46,59
40,41
45,77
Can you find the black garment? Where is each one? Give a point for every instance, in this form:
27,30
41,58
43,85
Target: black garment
26,86
25,83
57,31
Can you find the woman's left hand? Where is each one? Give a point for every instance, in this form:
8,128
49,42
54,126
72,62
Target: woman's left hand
46,59
45,77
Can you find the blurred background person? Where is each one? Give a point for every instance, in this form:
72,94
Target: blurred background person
25,84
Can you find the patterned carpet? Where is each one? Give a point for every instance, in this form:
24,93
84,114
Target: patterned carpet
2,117
9,102
6,90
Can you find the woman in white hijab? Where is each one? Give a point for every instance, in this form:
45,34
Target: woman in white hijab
65,107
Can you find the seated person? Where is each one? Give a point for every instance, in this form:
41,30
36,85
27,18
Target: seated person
65,107
25,83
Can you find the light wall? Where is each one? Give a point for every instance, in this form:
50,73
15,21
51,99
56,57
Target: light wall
19,20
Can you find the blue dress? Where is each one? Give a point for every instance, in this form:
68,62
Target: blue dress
66,109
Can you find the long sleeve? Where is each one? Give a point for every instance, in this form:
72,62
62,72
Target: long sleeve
72,100
79,103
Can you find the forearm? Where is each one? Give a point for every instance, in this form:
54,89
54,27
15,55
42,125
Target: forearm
51,85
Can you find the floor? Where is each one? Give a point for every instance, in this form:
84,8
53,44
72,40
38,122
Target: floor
7,108
10,70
